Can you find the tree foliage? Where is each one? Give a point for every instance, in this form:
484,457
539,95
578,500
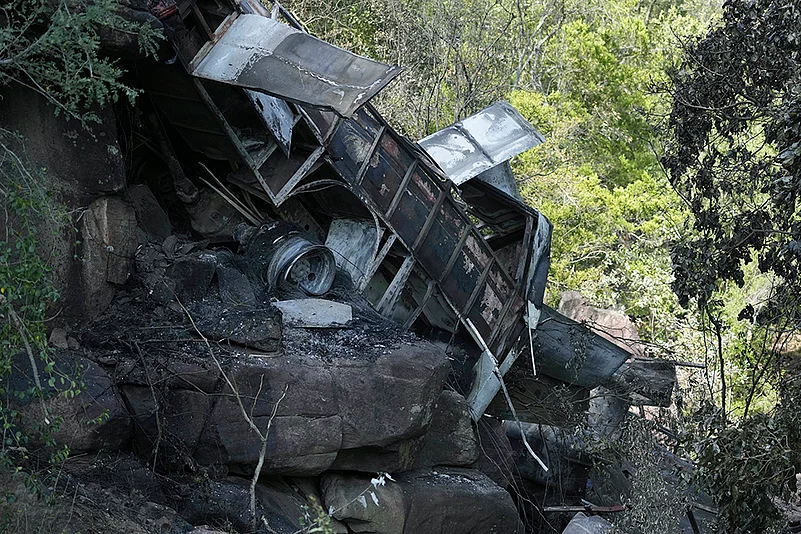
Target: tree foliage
735,155
54,48
598,177
749,464
458,55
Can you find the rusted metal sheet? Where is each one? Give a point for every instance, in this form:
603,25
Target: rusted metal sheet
480,142
569,351
487,382
417,205
415,201
261,54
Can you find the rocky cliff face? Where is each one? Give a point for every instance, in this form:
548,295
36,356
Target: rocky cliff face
337,406
181,356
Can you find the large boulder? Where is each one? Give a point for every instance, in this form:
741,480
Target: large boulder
78,167
168,422
392,458
314,407
450,439
279,508
443,500
613,325
365,504
153,220
81,165
109,240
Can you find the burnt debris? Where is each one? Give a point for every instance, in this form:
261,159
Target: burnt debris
287,157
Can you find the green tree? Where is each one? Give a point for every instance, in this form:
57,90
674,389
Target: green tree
733,157
598,177
734,152
54,48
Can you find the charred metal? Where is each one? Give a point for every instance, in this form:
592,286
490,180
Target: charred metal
433,234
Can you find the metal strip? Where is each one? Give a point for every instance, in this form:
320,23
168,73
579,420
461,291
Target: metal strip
202,20
456,253
379,259
334,125
504,311
479,287
253,7
393,292
416,313
206,48
299,175
240,148
525,250
250,189
401,189
693,522
290,18
432,215
370,154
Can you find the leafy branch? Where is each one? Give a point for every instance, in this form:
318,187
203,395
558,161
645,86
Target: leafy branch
55,49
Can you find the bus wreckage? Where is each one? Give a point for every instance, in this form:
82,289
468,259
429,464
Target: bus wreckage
434,234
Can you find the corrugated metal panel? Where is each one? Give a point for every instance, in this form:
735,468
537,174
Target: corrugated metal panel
480,142
264,55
